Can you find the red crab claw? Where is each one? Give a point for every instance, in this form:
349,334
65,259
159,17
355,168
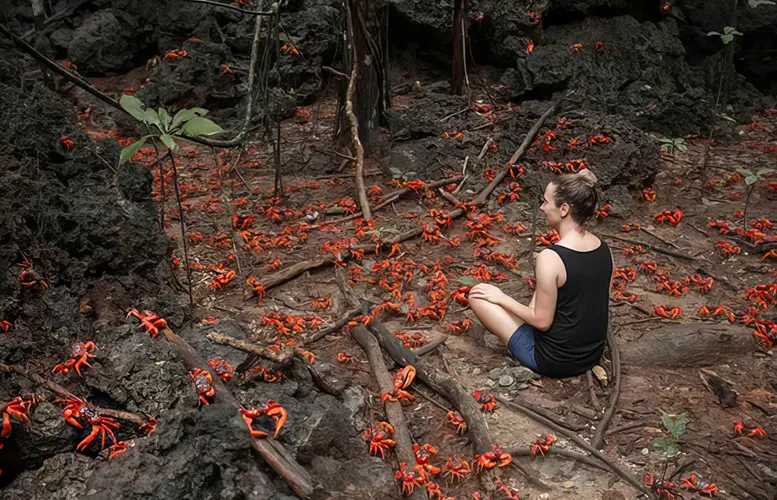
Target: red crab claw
404,377
248,418
119,448
278,413
757,432
738,427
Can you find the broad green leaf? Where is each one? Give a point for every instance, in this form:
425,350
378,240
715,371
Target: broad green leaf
468,281
150,117
755,3
198,126
133,106
128,152
727,39
185,115
681,147
714,33
168,141
751,179
165,119
745,172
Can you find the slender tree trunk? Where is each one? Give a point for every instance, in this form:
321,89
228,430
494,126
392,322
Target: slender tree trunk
460,29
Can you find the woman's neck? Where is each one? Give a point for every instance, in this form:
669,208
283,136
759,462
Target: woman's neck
568,229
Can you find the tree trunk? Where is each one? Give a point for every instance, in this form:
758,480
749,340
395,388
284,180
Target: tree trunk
368,101
692,344
460,29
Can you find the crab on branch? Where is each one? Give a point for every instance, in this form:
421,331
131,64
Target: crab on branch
150,321
378,436
486,400
79,354
271,416
203,384
542,445
221,368
79,413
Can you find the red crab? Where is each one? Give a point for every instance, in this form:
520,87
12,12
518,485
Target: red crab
423,453
695,483
150,321
28,277
668,312
67,143
490,459
459,326
670,217
221,368
79,412
486,400
79,354
19,408
175,54
119,448
663,489
727,249
632,226
456,468
402,381
460,295
203,384
271,409
410,478
379,438
543,444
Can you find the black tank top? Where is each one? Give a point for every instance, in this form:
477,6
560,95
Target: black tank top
575,341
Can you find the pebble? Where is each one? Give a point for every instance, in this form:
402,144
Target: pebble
495,373
506,381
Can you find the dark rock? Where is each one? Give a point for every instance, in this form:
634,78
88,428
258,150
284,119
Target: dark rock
47,435
365,473
106,42
61,38
355,404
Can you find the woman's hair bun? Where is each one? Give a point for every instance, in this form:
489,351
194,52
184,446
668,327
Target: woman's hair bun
588,177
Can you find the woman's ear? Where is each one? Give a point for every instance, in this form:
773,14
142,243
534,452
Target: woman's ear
564,209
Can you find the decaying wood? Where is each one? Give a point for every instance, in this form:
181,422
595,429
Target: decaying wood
396,417
291,272
271,451
283,358
560,452
61,391
601,428
431,346
720,387
691,344
320,334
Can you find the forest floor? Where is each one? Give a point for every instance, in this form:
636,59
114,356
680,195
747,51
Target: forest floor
228,206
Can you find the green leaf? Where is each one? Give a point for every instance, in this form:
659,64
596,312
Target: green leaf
660,443
745,172
714,33
751,179
468,281
152,118
168,141
165,118
395,172
681,147
185,115
133,106
765,171
198,126
128,152
755,3
726,39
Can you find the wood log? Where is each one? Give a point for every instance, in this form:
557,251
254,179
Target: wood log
283,358
689,345
404,442
271,451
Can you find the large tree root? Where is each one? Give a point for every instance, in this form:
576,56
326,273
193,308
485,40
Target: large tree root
561,452
575,438
689,345
283,358
271,451
598,439
404,442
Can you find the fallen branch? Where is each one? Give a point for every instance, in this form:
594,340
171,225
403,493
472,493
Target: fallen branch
659,238
651,247
483,196
561,452
361,192
283,358
582,443
320,334
548,414
601,428
589,379
271,451
289,273
431,346
61,391
404,443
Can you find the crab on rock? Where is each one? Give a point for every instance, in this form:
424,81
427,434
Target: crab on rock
79,413
272,410
203,383
79,354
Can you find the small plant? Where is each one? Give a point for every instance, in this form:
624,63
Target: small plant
751,178
727,36
755,3
675,425
671,145
185,123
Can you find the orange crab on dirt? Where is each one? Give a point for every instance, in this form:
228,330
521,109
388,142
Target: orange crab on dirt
670,217
486,400
150,321
456,468
694,482
271,410
79,412
490,459
456,419
542,445
28,277
378,436
669,312
424,453
203,384
410,478
79,354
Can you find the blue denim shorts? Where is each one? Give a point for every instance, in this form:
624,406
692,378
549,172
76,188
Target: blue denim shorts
521,345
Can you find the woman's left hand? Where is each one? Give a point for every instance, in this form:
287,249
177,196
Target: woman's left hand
490,293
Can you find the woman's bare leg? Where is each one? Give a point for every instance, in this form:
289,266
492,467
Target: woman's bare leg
496,319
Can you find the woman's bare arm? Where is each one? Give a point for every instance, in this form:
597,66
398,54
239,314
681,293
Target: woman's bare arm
540,314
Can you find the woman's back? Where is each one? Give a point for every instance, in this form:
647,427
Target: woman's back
575,341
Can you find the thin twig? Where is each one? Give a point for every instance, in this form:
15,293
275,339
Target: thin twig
598,438
659,238
233,7
589,378
651,247
183,228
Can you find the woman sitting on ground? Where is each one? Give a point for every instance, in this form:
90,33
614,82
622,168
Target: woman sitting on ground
562,332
